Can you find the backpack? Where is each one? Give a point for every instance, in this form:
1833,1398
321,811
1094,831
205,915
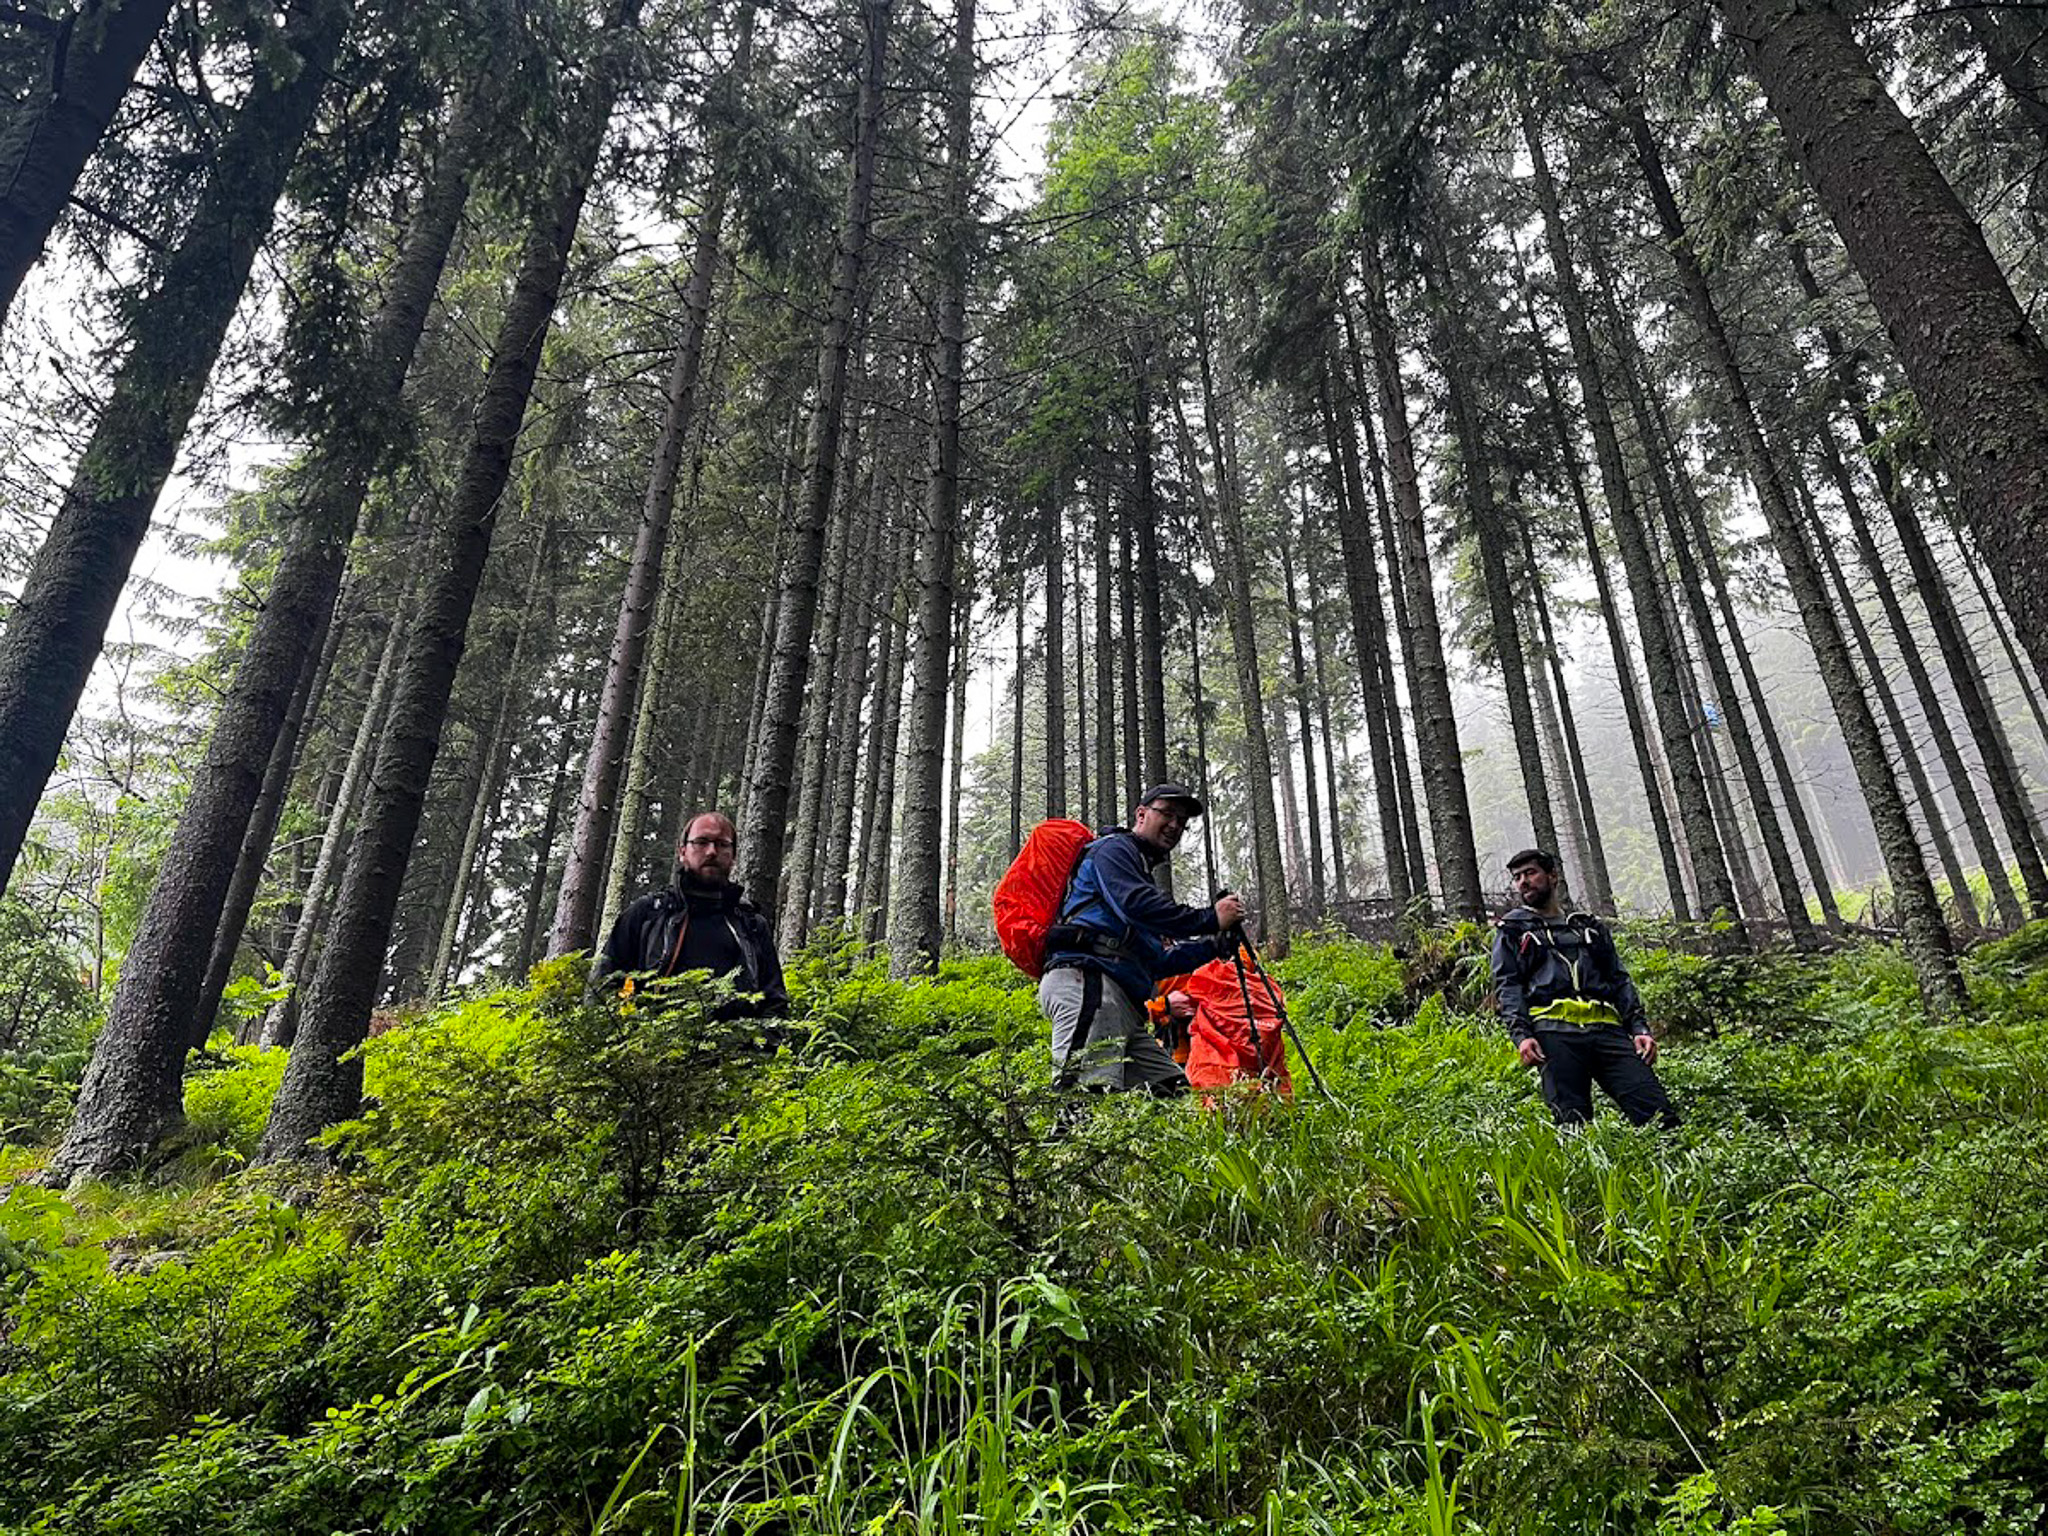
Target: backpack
1027,898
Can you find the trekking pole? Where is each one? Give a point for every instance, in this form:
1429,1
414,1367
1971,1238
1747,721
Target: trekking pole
1238,945
1280,1008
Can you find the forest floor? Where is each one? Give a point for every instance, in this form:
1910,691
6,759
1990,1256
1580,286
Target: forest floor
582,1268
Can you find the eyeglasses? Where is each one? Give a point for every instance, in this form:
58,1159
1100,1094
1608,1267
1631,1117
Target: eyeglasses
706,844
1167,813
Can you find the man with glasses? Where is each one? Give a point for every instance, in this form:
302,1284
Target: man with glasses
1117,937
702,923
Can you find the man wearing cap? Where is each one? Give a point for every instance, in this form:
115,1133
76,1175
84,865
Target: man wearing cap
1569,1004
1117,936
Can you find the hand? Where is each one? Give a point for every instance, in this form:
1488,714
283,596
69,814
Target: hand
1531,1052
1646,1047
1229,912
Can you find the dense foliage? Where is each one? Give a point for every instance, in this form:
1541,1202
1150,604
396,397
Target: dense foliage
598,1267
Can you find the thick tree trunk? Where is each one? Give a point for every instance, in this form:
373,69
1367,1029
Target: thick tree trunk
1200,701
1127,659
254,854
1436,726
763,838
917,926
1975,360
963,635
58,624
1689,790
856,653
576,907
1083,804
1926,933
47,141
324,1079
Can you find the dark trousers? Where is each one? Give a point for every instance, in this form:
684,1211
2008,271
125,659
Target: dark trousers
1576,1059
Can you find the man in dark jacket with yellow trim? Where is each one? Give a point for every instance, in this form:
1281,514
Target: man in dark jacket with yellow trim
702,923
1569,1004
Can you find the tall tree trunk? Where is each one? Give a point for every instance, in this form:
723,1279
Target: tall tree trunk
1084,804
1151,588
1362,589
1492,539
1318,894
1610,611
1222,513
763,838
56,628
1689,790
1908,755
45,144
1599,884
807,806
1055,662
544,845
576,906
1319,649
878,810
1382,528
963,635
1436,726
916,927
1934,716
281,1022
1666,471
855,652
1979,714
490,783
323,1081
1107,811
1975,360
1926,932
1018,683
1135,783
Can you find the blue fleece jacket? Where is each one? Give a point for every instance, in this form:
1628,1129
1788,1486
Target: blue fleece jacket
1112,894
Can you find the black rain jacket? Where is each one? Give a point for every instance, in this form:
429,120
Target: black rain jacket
1538,960
652,935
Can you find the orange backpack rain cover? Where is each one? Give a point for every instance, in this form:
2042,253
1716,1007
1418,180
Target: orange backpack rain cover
1220,1048
1027,898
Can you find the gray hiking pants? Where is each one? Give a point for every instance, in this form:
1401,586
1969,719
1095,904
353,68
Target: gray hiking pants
1100,1037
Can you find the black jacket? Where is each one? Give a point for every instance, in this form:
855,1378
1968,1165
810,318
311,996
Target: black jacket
688,928
1538,960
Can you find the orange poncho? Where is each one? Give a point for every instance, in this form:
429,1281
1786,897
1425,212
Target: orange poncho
1220,1050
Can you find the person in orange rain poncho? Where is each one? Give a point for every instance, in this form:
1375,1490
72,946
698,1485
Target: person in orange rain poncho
1210,1033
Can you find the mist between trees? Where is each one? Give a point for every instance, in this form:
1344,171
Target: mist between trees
1425,428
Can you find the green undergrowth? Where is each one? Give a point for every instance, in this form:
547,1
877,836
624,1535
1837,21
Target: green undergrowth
585,1269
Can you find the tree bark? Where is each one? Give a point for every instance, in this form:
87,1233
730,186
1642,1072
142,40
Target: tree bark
1926,933
917,926
1107,811
544,845
57,626
878,816
323,1080
1318,892
1319,649
48,140
1362,589
1599,883
576,906
1436,726
1974,359
1055,663
763,839
1689,790
1151,589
